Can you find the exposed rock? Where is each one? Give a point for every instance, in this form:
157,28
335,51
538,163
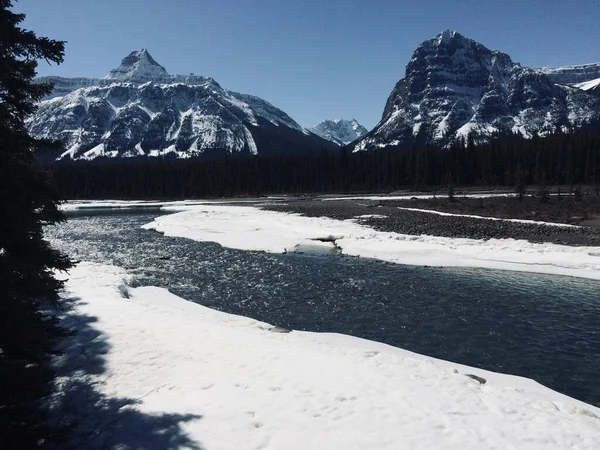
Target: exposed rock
476,378
455,87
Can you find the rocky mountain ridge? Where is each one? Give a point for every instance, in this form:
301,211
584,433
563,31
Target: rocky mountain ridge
572,74
140,110
456,88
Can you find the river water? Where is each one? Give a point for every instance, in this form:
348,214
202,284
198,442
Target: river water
542,327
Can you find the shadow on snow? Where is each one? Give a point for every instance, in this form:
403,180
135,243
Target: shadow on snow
97,421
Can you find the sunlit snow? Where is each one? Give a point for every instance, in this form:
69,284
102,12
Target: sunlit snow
242,384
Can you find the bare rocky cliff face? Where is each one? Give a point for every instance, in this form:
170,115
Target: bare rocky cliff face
140,110
456,88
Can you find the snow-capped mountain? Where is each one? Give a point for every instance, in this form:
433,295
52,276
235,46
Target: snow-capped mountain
455,87
139,109
340,131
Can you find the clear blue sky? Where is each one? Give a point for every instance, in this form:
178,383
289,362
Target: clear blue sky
315,59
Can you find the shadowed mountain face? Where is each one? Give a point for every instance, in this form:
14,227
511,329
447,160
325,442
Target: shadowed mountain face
140,110
455,87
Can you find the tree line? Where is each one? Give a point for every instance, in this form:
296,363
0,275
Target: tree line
560,159
29,335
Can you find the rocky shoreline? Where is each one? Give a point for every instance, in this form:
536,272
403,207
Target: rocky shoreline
387,216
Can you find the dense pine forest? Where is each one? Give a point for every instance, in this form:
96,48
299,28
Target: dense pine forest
562,159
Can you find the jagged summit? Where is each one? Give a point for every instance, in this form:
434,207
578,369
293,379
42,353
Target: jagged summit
451,41
446,36
138,66
340,131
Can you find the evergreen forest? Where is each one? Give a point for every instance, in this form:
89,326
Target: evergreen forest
515,162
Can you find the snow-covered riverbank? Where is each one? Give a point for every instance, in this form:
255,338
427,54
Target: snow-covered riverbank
250,228
242,384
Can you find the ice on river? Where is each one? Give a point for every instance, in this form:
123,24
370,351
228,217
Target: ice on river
248,386
251,228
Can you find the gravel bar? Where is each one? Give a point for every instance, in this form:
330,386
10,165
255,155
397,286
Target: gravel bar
418,223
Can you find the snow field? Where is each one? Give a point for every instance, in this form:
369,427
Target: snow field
83,205
253,388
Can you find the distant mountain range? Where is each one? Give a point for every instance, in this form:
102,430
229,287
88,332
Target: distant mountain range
140,110
340,131
455,87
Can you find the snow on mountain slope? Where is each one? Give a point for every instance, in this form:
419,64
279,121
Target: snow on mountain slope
592,86
64,86
138,66
455,87
587,85
572,74
340,131
140,110
255,106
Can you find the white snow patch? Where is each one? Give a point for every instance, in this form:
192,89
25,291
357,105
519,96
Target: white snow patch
170,149
250,141
416,128
390,143
83,205
535,222
98,150
250,387
520,129
471,127
587,85
371,216
442,127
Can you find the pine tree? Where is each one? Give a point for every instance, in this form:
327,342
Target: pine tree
27,262
520,184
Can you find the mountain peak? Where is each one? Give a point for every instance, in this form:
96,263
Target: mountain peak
448,43
340,131
446,36
138,66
